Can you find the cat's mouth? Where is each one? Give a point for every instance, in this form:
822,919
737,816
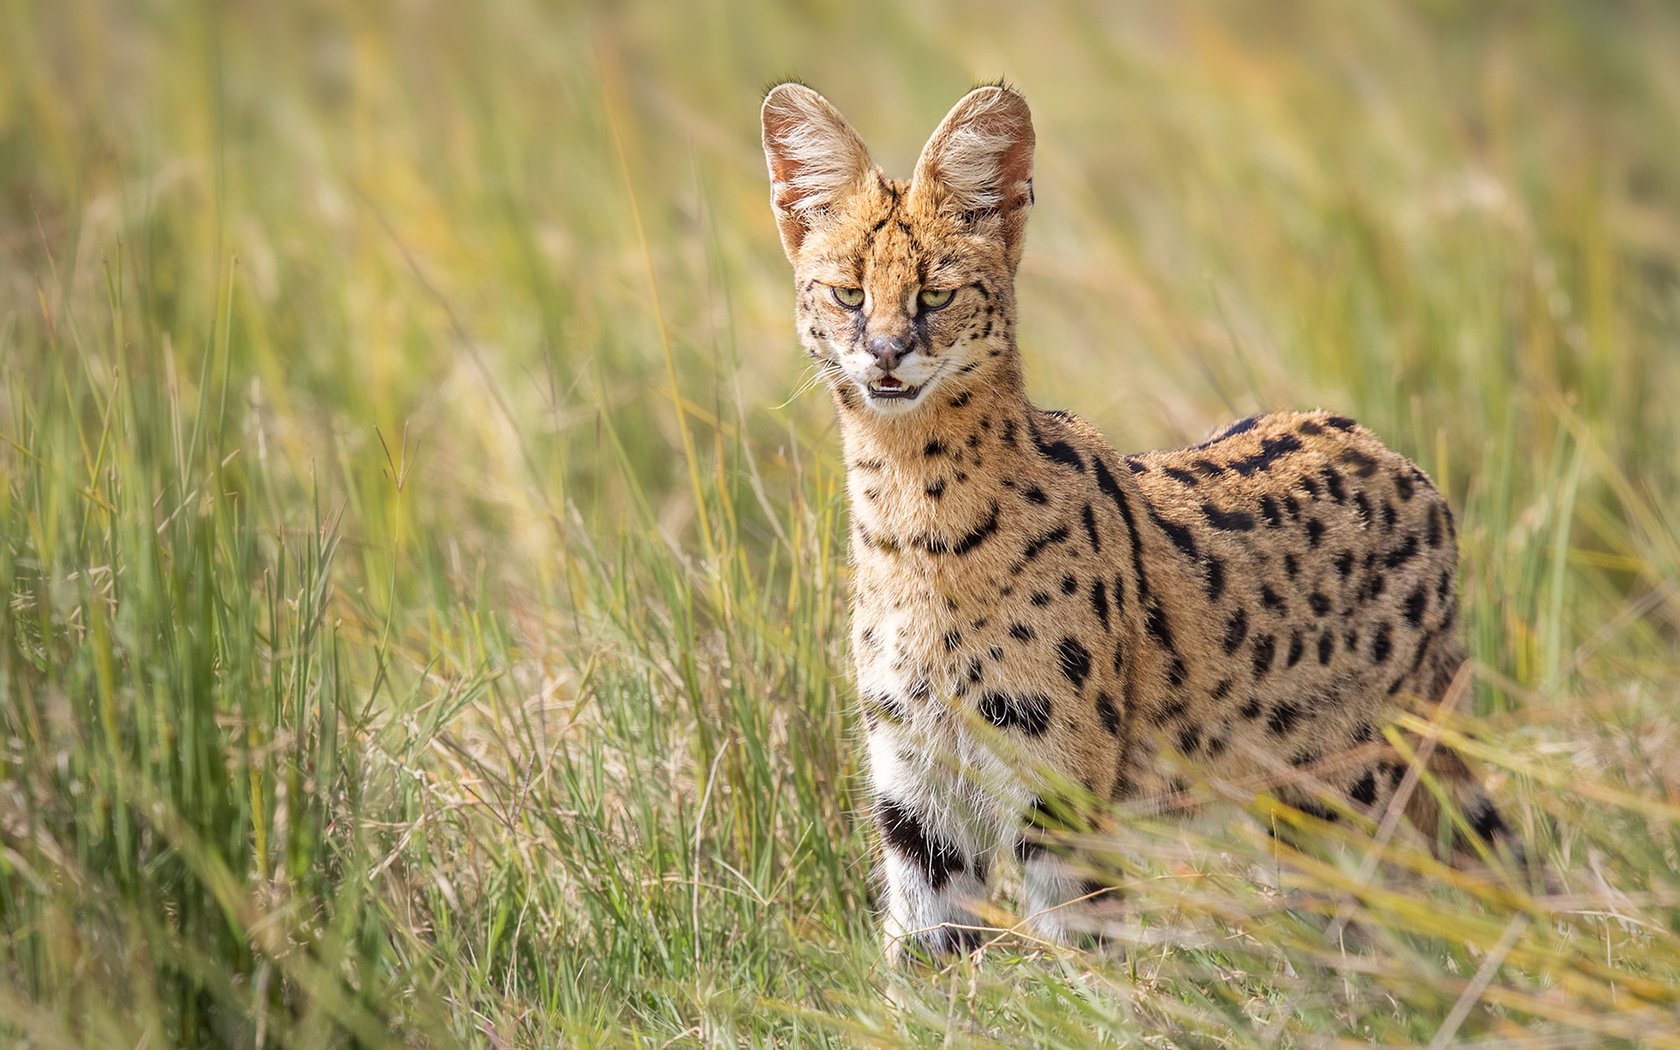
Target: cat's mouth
891,388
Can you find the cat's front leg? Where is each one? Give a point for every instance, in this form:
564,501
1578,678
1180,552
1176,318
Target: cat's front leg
933,868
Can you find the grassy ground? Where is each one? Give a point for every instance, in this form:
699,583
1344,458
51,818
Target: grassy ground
425,597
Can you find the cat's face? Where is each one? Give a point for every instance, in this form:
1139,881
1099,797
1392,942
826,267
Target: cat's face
903,287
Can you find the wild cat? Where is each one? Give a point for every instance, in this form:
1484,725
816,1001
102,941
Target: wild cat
1030,604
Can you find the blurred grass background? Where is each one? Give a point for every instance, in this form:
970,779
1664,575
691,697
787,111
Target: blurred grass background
426,597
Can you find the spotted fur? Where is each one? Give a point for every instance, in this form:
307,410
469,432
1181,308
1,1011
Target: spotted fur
1027,600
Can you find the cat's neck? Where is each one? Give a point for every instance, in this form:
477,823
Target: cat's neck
933,469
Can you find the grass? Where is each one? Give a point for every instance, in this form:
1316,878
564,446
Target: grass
425,602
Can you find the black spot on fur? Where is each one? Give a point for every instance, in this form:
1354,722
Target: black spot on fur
1434,526
1056,451
923,849
1180,535
1333,484
1364,790
1326,647
1214,570
961,399
1269,511
1317,810
1291,566
1089,517
1180,475
1283,717
1381,644
1029,712
953,638
1344,563
935,488
1320,604
1059,534
1403,487
1070,583
1402,554
1075,661
1269,598
972,539
1417,603
1171,708
1271,449
1296,648
1265,648
1034,494
1485,821
1228,520
1111,488
1250,708
1373,588
1221,690
1315,532
1241,426
1177,672
1189,740
1039,598
934,448
1099,601
1109,714
1341,422
1021,632
1236,629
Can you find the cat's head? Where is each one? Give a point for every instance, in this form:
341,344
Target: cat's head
904,288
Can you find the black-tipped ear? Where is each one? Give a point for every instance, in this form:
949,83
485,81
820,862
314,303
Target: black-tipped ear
979,164
816,160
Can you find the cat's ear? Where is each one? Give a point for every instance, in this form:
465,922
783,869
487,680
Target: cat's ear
816,160
979,164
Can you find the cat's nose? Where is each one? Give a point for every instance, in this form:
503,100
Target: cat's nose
888,350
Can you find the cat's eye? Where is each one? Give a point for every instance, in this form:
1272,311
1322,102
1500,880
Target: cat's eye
850,298
934,298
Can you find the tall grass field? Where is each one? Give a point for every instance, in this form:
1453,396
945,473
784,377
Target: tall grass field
424,551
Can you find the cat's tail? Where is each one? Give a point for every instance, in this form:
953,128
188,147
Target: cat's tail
1477,830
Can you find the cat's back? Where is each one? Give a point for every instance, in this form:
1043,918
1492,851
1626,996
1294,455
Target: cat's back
1310,561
